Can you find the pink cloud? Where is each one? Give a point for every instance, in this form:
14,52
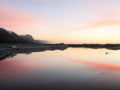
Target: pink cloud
97,25
15,19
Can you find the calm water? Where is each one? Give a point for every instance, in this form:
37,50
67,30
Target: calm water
72,68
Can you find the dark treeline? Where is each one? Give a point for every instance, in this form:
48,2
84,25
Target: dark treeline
95,46
12,37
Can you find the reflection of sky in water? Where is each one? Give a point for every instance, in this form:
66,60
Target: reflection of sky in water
72,65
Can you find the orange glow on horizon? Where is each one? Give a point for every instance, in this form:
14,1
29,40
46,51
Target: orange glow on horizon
97,25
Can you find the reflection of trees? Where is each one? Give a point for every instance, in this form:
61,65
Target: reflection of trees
4,56
7,53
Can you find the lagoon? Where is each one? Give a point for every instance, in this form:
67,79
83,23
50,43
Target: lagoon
72,68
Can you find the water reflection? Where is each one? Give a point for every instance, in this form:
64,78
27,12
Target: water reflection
70,68
98,64
7,53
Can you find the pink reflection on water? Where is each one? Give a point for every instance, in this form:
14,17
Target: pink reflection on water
98,64
11,69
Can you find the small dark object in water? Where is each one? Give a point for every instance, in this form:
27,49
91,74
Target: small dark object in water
107,53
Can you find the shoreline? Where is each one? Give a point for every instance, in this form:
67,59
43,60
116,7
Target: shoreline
96,46
6,50
60,46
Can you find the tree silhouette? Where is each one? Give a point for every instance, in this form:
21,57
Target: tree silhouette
4,35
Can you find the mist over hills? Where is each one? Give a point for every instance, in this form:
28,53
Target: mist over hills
12,37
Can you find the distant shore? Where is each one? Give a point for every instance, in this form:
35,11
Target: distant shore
96,46
12,41
60,46
10,50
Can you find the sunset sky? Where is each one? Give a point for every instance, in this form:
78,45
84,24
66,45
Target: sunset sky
68,21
